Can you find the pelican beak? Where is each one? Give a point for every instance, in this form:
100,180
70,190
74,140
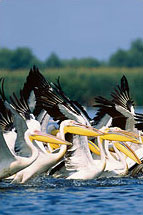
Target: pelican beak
83,130
48,138
54,146
93,147
123,147
119,137
54,132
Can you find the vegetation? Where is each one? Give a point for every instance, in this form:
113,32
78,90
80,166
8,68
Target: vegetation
82,84
130,58
82,79
22,58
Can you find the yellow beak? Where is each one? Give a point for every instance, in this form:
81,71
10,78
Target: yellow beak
123,147
54,146
82,130
120,138
93,147
54,132
48,138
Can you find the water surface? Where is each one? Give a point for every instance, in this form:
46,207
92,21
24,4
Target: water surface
44,195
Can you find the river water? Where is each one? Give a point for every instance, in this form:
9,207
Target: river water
44,195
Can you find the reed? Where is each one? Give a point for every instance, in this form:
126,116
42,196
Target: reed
82,84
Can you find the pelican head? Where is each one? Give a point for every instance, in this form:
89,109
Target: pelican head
33,125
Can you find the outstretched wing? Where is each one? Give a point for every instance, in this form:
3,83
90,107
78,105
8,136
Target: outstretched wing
120,108
105,109
139,121
21,105
6,118
21,148
121,95
58,105
26,103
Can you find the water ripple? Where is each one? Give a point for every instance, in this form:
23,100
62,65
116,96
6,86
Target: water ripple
44,195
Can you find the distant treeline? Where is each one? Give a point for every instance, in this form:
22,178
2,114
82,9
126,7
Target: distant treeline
23,58
83,84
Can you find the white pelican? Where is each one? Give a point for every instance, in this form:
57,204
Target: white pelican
10,163
47,160
79,163
20,147
117,163
42,164
133,144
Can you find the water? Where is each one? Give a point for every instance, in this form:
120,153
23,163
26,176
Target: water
44,195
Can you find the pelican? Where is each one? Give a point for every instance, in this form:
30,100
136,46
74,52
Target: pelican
133,145
10,163
47,160
120,161
60,107
79,163
42,164
117,163
21,148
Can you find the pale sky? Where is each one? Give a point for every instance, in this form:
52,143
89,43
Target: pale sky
70,28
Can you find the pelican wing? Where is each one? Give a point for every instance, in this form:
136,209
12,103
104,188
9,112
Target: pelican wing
120,108
20,148
6,118
21,105
2,94
121,95
49,101
58,105
43,118
78,156
5,153
107,107
139,121
74,104
69,113
34,79
26,104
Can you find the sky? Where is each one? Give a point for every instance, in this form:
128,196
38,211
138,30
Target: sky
71,28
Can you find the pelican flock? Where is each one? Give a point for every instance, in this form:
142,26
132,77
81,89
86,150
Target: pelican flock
43,131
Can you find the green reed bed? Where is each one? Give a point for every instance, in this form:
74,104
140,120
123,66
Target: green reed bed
82,84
